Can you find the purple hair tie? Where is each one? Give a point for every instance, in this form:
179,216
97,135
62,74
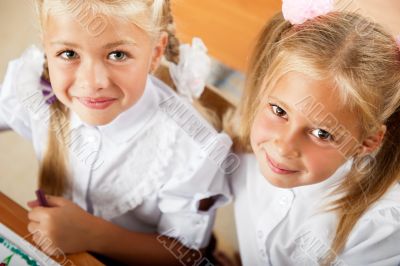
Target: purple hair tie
47,91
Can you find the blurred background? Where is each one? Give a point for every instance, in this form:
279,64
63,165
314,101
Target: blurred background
228,28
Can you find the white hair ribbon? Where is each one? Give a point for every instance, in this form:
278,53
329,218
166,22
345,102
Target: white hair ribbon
190,74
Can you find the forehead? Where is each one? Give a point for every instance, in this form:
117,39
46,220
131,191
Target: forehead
317,100
97,28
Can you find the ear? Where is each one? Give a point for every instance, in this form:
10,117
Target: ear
373,142
159,50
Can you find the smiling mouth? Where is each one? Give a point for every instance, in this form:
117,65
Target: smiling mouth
278,168
96,103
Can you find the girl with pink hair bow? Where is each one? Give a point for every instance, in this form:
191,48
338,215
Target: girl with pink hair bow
316,130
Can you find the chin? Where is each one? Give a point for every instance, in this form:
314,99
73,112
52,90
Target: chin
281,181
97,120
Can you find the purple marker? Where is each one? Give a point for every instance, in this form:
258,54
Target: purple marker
41,198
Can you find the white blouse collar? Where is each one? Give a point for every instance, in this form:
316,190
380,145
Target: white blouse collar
131,121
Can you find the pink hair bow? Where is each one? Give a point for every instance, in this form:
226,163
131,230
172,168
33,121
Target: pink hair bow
398,41
298,11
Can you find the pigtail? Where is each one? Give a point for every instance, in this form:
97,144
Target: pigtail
172,55
364,187
374,183
239,123
172,50
53,177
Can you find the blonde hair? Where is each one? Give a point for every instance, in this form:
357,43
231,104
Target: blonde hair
153,16
364,62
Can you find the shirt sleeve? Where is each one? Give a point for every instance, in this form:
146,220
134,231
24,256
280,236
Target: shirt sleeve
19,94
197,175
3,124
375,240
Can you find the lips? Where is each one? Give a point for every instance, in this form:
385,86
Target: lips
278,168
98,103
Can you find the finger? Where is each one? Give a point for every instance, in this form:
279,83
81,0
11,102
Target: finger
33,204
33,227
49,248
56,252
38,214
56,201
44,243
38,238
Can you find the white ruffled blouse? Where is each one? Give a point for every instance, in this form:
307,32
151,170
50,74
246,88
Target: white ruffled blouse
145,171
279,226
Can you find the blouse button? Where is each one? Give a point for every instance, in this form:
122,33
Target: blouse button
263,254
284,200
91,139
260,234
200,221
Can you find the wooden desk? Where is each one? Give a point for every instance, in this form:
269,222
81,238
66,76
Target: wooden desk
15,217
228,27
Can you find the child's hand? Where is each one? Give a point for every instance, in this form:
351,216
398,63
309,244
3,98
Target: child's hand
61,228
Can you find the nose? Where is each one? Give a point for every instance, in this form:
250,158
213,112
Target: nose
288,144
93,76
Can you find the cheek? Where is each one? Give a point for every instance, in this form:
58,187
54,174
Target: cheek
261,130
61,76
321,163
132,87
265,127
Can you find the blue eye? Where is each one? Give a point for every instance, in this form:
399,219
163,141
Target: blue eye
68,55
117,56
322,134
278,111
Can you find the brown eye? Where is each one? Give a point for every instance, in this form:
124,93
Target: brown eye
278,111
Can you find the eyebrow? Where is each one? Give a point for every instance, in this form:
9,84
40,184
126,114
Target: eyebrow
118,43
65,43
107,46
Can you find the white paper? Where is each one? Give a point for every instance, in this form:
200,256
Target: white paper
22,252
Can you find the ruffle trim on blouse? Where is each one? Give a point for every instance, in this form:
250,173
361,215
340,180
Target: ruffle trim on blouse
147,164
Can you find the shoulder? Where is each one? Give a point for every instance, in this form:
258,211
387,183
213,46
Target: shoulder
385,213
28,67
377,234
21,97
386,209
22,80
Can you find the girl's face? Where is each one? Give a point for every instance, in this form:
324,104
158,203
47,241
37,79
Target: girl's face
297,146
98,76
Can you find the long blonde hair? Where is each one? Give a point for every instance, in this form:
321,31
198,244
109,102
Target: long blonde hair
364,62
153,16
